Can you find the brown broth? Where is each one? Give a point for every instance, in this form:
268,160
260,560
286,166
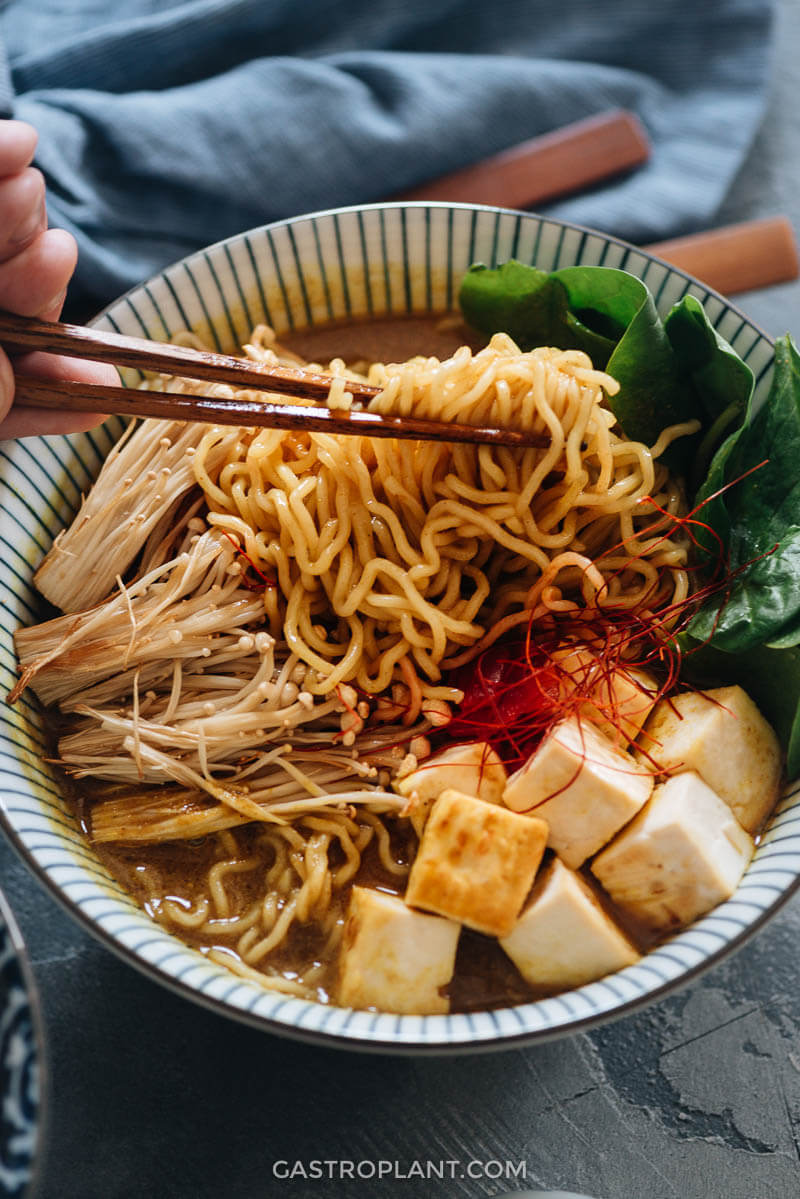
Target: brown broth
382,339
484,977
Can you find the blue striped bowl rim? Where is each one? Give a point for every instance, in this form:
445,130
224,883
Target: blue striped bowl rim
352,262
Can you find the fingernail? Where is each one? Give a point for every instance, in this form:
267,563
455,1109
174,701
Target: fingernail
29,227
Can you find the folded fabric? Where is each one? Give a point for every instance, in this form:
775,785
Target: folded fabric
166,126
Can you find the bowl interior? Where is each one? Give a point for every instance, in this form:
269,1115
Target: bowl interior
380,260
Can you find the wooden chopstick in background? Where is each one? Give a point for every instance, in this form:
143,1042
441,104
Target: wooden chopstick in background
566,160
736,258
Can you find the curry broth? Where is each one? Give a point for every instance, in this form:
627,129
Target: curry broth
383,339
484,977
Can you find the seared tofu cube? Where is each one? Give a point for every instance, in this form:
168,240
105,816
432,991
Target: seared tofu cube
680,857
395,959
722,736
564,937
473,769
476,863
585,787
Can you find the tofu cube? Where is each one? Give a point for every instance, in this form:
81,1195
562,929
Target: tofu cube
394,959
680,857
585,787
473,769
476,862
722,736
564,937
624,697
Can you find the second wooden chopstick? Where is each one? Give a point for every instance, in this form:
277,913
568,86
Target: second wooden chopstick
736,258
75,341
555,164
21,333
61,394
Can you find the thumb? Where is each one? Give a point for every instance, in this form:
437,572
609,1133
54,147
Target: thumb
6,386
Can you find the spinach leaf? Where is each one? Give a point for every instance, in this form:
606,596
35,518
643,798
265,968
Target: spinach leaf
758,520
788,637
532,307
720,376
668,372
651,395
721,380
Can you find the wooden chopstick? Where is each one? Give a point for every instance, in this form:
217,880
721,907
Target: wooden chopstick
567,160
736,258
126,401
732,259
21,334
25,334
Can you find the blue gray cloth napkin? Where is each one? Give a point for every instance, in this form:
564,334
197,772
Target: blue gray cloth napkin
168,124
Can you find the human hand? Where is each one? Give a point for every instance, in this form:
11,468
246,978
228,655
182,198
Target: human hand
36,264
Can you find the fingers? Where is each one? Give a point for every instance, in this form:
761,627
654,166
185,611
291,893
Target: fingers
40,422
17,146
18,421
33,282
36,264
57,366
22,211
6,386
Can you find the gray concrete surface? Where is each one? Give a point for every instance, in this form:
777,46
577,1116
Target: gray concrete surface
697,1096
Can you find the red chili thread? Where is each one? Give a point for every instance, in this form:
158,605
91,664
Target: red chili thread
608,641
250,584
686,522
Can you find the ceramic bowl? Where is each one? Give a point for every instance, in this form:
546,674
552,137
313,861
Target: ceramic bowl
355,262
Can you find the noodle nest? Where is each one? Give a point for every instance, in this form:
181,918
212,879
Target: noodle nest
388,558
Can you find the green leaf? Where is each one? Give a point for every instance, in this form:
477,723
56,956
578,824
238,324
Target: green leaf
721,380
607,313
651,394
532,307
758,519
788,637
